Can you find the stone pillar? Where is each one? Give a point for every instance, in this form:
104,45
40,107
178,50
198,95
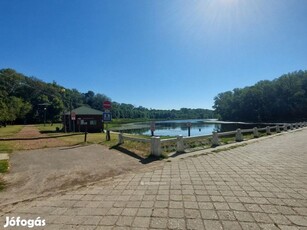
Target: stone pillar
255,132
215,139
156,146
239,136
120,138
180,144
277,129
268,130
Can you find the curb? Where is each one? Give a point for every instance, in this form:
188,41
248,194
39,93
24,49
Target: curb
4,156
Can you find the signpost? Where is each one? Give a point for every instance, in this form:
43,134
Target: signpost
152,128
189,128
107,117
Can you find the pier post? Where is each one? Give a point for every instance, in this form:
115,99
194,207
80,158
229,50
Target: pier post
277,129
239,136
156,146
120,139
268,130
255,132
215,139
180,144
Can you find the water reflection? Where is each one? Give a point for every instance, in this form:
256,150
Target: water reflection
180,127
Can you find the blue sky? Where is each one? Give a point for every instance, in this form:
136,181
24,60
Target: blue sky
154,53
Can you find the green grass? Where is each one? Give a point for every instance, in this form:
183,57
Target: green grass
4,166
10,130
49,128
5,147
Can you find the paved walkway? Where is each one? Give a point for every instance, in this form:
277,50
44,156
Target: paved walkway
262,185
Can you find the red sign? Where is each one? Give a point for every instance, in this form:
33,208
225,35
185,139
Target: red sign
73,116
107,105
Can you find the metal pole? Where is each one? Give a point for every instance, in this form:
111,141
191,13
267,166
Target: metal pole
45,116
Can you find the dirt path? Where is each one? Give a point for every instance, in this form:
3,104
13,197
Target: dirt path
42,171
30,131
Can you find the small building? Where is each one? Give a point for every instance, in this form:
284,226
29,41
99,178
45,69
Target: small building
82,119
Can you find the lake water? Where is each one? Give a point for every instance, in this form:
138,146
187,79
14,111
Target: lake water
180,127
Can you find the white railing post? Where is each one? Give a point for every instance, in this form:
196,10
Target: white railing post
268,130
180,144
296,126
239,136
277,129
156,146
120,138
255,132
215,139
291,126
285,127
304,124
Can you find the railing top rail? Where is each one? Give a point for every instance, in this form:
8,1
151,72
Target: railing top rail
139,139
226,133
170,140
197,137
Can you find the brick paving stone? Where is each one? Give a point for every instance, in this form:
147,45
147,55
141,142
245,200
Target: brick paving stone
262,217
160,223
212,225
192,214
298,220
226,215
160,212
243,216
249,226
231,225
209,214
176,224
258,186
141,222
196,224
124,221
176,213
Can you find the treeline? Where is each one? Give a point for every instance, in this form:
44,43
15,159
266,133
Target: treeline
283,99
28,100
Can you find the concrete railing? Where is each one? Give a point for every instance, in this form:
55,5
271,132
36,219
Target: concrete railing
180,144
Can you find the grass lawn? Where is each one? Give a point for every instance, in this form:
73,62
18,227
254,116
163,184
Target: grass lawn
10,130
5,147
49,129
5,132
4,166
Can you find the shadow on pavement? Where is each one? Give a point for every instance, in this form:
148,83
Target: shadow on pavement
147,160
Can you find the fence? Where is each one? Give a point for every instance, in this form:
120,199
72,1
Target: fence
180,144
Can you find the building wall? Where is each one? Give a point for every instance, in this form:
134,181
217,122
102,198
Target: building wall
91,123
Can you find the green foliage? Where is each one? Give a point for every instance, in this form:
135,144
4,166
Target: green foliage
283,99
28,99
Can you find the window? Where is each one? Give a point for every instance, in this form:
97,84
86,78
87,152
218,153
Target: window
93,122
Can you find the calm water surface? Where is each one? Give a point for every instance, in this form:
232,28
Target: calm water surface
180,127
